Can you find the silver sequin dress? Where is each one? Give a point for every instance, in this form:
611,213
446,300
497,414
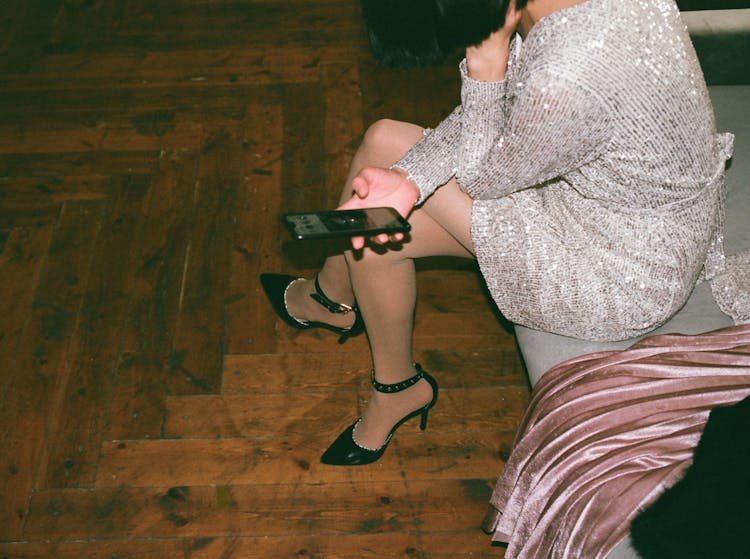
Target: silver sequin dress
595,169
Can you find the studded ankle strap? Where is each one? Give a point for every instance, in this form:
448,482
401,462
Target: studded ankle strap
332,306
398,386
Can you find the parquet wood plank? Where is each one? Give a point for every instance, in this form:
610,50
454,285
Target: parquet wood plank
9,24
21,260
476,330
425,95
294,460
250,321
452,286
184,25
242,416
149,108
26,28
290,340
43,190
278,372
303,170
30,201
54,165
76,429
290,461
35,374
75,137
458,456
261,510
433,545
200,336
28,214
323,372
343,125
150,70
283,414
137,409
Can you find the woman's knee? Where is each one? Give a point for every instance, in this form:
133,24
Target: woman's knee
390,139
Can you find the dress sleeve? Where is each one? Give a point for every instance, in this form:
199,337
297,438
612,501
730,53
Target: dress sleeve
509,135
436,158
433,159
553,127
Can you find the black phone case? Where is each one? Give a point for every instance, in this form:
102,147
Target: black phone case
344,223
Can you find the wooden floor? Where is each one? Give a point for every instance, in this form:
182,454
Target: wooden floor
151,405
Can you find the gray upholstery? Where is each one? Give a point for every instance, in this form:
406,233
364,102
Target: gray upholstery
542,350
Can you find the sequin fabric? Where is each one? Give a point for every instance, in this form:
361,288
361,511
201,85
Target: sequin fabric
595,168
731,288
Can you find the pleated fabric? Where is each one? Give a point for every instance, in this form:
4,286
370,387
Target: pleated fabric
605,434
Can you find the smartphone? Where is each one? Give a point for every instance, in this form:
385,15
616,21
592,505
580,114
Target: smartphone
345,223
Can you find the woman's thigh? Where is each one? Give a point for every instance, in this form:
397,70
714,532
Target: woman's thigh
442,225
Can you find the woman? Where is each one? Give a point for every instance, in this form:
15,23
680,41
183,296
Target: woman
581,170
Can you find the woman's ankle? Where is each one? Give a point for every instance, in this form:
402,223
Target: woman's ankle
302,306
384,411
329,287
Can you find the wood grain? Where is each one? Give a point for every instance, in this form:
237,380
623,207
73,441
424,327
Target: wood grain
152,405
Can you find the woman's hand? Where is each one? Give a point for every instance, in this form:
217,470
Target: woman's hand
374,187
488,61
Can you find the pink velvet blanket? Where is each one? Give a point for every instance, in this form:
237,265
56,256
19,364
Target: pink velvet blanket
605,434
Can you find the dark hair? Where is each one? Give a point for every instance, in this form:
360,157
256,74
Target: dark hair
418,32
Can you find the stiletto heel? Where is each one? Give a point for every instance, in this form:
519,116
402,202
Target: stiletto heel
423,421
346,451
276,286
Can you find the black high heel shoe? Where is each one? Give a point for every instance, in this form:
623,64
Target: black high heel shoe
276,285
346,451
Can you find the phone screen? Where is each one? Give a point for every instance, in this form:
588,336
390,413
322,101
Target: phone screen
344,223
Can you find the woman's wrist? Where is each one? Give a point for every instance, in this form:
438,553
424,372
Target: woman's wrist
408,183
487,65
488,61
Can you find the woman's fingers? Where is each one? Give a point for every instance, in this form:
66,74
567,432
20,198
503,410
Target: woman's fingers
375,187
361,184
358,243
